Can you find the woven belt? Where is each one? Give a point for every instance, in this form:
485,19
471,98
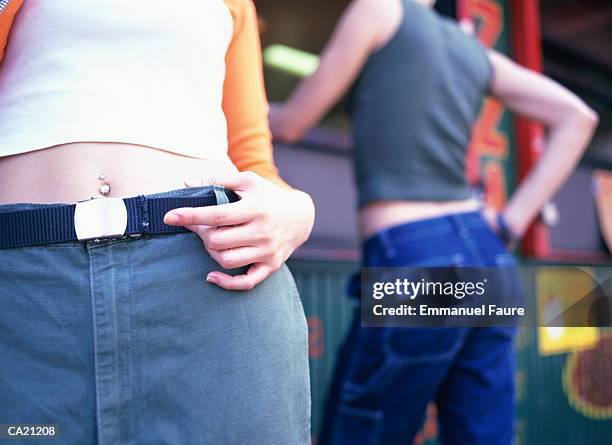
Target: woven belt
98,219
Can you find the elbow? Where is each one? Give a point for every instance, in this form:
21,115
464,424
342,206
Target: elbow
586,117
593,118
284,128
287,135
294,136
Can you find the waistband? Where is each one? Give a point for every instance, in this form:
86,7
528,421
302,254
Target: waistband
416,230
26,224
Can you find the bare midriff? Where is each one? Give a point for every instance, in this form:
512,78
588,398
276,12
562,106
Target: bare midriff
74,172
381,215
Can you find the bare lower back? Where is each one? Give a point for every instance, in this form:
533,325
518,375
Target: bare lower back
380,215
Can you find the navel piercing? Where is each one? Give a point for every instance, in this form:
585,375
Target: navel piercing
104,187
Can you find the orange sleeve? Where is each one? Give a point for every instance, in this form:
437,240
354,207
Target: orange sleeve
244,99
7,15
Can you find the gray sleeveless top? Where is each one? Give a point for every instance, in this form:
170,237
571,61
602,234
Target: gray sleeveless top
413,108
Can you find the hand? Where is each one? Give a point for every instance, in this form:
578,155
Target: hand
261,230
491,217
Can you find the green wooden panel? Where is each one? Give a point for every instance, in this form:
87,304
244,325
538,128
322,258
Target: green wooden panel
328,311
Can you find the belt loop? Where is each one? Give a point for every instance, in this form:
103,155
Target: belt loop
144,214
387,243
220,194
459,226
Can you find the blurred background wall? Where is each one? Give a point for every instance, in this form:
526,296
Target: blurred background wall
564,379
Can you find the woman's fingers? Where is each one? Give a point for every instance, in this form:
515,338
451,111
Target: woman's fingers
259,231
255,275
223,238
233,258
217,216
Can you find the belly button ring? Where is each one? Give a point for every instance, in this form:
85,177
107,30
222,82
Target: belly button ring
104,187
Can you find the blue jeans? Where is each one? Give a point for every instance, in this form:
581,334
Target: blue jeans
385,377
124,342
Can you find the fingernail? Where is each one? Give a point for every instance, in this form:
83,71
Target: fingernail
172,217
212,279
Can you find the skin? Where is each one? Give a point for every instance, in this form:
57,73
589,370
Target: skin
55,178
260,231
366,26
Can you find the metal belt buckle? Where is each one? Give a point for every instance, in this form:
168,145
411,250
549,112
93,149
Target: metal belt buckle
100,218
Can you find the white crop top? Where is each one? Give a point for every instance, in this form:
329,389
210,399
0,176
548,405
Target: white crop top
147,72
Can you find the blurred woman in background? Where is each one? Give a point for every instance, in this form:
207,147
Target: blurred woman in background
419,82
116,323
